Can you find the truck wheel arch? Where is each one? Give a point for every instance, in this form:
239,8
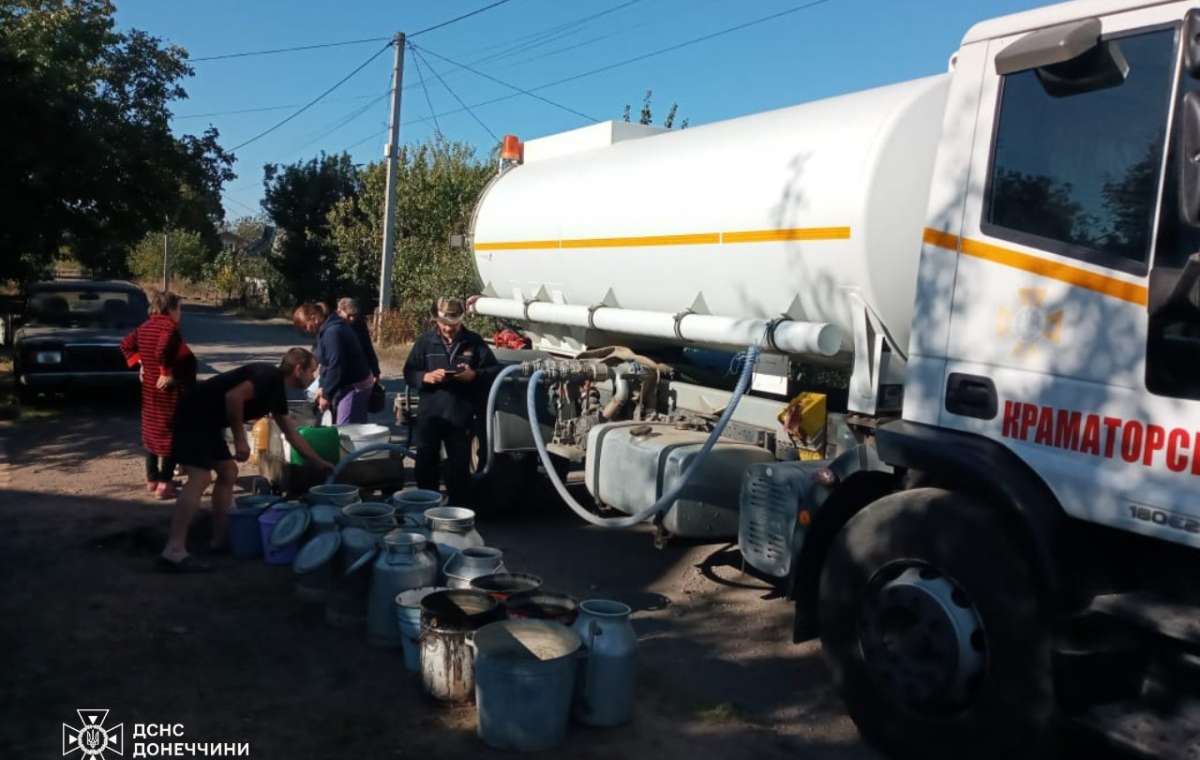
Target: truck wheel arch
991,472
929,456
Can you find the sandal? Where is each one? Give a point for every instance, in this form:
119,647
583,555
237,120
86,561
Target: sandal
188,564
166,491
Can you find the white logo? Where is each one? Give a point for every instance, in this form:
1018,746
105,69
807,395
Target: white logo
92,739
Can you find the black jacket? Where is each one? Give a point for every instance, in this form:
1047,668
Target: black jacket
452,400
341,357
364,340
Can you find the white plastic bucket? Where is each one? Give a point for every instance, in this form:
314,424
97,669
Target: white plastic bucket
356,437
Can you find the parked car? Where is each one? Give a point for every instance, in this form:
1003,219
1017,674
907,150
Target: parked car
70,332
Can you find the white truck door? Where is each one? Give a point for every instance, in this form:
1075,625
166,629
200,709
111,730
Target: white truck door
1047,346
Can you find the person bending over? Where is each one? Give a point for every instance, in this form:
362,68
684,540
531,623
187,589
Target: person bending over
228,400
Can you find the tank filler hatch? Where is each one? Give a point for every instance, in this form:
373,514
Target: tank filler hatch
591,137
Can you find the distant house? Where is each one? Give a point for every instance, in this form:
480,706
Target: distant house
233,242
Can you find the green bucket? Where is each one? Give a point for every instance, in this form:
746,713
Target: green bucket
324,441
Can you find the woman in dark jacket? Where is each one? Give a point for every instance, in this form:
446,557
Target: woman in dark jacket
346,379
347,309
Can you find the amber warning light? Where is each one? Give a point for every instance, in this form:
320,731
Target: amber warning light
512,149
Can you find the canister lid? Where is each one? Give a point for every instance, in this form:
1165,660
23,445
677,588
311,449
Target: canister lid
291,527
324,514
317,552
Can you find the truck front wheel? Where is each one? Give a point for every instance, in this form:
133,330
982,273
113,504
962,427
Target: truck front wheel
930,621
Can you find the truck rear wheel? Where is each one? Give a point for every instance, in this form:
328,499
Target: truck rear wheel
930,621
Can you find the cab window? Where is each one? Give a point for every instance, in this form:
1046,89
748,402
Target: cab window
1075,170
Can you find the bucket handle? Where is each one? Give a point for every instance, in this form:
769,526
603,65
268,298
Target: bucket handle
593,630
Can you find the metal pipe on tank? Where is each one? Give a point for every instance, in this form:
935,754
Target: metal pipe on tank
788,336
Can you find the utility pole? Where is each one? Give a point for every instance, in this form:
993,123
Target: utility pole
391,155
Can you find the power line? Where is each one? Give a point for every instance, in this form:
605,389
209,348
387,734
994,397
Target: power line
345,120
635,59
417,53
296,48
320,45
261,109
314,101
437,128
545,36
491,78
688,43
510,50
456,19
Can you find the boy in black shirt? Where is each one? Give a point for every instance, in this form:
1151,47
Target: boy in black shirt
228,400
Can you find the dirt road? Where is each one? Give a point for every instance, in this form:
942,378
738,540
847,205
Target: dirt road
85,622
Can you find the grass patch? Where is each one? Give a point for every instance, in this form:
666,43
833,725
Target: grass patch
726,712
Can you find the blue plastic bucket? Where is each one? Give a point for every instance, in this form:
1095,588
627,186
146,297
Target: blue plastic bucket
245,538
275,555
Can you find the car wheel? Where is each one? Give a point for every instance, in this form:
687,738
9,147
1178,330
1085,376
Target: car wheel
931,623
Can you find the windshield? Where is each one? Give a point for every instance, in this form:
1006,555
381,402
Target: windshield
87,308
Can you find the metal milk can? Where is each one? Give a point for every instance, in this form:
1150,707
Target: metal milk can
471,563
604,689
452,529
404,561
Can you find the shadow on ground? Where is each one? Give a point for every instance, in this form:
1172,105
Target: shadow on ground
233,656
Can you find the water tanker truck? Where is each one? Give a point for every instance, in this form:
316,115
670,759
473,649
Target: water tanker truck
931,352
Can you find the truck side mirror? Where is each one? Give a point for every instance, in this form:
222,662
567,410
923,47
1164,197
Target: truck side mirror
1046,47
1191,43
1189,158
1068,58
1176,290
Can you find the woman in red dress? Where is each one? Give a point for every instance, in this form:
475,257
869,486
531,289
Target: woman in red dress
168,370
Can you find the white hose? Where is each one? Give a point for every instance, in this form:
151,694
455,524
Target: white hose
672,494
401,447
491,414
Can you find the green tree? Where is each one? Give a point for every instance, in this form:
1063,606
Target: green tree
438,185
188,256
298,199
89,150
646,115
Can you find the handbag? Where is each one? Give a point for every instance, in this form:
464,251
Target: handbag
377,399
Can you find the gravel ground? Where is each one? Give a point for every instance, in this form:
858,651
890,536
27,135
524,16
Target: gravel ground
87,622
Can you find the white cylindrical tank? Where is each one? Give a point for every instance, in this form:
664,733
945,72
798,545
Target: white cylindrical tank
774,213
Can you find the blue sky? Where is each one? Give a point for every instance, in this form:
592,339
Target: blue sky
836,47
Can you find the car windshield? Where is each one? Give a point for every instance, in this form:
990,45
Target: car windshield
76,307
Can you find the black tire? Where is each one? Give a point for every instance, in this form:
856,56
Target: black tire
1008,711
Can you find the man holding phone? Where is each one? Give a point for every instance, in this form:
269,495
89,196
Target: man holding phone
452,367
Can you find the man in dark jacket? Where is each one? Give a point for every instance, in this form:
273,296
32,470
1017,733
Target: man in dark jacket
451,366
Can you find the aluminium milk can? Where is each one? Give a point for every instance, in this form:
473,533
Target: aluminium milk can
405,561
604,690
452,529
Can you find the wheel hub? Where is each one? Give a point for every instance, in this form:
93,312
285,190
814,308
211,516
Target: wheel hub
922,638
